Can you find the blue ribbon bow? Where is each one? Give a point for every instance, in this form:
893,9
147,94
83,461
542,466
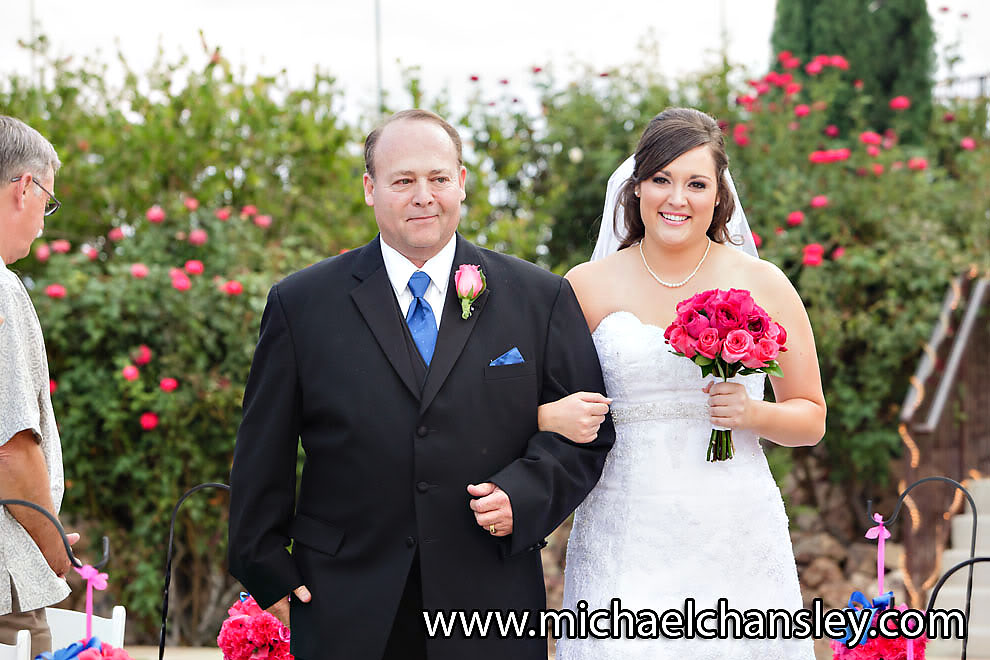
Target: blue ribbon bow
878,604
71,651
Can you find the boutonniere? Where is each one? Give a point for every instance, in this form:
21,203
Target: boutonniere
469,282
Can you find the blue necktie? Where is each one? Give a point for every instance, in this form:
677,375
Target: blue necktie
422,324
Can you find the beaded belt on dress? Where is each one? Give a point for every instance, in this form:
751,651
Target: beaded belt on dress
641,412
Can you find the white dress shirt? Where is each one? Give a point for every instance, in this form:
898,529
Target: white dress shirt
400,269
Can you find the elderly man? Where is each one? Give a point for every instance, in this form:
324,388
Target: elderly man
33,560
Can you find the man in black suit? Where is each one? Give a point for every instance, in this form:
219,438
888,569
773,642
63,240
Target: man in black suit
427,484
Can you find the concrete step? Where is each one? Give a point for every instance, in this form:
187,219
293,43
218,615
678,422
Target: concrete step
955,555
962,531
980,490
979,645
952,596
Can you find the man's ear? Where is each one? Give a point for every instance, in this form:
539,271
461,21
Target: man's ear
369,189
20,189
461,180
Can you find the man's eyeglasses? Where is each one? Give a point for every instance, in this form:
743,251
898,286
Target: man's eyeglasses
51,205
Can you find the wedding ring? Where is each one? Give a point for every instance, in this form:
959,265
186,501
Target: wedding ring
491,528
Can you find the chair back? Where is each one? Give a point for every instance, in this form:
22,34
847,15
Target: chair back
69,626
21,650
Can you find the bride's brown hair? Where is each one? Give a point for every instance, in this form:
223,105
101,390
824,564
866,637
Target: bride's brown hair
668,135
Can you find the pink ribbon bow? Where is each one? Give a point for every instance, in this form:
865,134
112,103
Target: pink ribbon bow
94,580
881,534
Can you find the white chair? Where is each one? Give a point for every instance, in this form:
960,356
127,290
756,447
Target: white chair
20,650
69,626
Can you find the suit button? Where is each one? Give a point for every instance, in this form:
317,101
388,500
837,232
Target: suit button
410,541
422,431
422,486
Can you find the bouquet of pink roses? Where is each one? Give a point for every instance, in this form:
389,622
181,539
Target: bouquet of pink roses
726,333
251,632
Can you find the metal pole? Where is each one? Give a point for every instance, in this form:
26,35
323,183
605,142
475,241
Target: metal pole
378,56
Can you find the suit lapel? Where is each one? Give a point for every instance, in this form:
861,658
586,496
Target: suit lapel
454,330
372,298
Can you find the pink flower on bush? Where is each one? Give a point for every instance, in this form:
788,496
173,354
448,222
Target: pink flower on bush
263,221
757,240
233,288
61,246
832,131
948,117
873,150
55,291
130,373
792,88
194,267
813,68
839,62
223,214
52,386
801,110
813,253
149,420
168,384
900,103
139,270
870,137
819,201
249,210
198,236
181,283
116,234
784,55
155,214
917,163
897,165
91,252
191,203
838,252
741,139
791,63
143,355
967,143
42,252
877,169
794,218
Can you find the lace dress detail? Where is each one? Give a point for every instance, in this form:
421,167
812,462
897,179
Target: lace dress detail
663,524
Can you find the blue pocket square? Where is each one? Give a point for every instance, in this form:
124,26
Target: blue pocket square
511,356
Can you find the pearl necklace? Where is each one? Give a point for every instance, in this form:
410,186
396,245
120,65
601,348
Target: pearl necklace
674,285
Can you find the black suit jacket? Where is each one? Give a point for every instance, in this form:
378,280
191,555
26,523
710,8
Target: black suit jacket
388,459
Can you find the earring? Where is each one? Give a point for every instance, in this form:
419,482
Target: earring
636,192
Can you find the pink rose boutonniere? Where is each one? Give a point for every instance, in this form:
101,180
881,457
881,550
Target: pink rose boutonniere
726,333
469,282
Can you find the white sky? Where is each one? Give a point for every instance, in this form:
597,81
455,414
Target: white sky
449,41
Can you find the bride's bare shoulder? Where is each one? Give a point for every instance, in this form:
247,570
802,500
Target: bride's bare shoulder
596,284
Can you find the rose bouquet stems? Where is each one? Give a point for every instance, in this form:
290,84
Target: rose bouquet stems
727,334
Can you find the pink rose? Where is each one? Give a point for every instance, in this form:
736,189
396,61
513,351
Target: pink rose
198,237
194,267
794,218
801,110
181,283
781,337
726,318
709,343
52,386
767,350
813,253
737,345
263,221
168,384
757,323
130,372
967,143
692,322
832,131
751,361
139,270
116,234
55,291
873,150
682,342
149,420
42,252
91,252
61,246
143,355
813,68
869,137
249,211
191,203
155,214
838,252
233,288
819,201
756,239
468,281
839,62
741,300
223,214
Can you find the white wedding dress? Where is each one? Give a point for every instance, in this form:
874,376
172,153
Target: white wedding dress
663,524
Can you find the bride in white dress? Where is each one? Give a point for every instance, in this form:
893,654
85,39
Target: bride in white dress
663,524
